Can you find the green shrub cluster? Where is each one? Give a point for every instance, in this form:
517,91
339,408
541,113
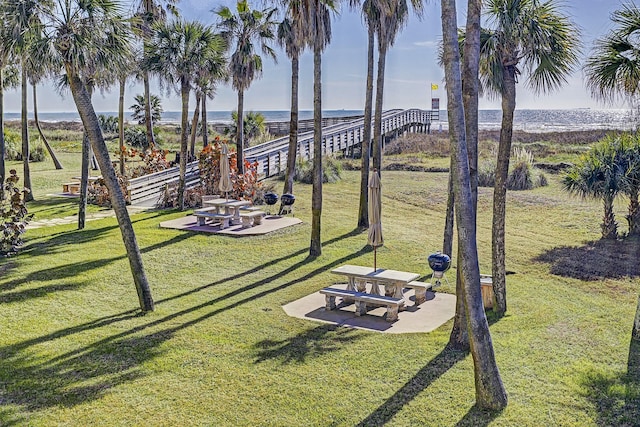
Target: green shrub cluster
331,170
522,174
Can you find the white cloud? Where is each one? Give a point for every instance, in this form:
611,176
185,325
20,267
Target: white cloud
427,43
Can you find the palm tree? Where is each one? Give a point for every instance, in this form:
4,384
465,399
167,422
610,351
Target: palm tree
600,175
459,337
371,14
250,30
318,13
177,51
150,13
630,157
138,108
490,392
208,75
80,31
393,15
613,68
534,37
294,36
22,24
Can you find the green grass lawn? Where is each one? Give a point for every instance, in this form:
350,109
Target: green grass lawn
219,349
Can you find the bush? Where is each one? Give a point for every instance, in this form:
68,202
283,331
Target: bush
98,194
136,136
108,124
14,216
522,176
486,174
37,153
13,145
244,186
331,170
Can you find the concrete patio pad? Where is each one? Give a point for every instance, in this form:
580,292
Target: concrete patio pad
269,223
428,316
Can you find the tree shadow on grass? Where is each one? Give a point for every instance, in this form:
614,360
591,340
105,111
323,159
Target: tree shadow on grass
611,259
311,343
62,272
433,370
85,373
477,417
77,376
616,397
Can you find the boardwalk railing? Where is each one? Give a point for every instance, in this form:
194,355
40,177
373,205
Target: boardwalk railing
272,156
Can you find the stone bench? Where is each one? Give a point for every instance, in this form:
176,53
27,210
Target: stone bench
71,187
361,300
223,219
420,289
251,218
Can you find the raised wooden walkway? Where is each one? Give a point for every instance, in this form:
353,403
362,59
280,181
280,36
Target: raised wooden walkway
272,155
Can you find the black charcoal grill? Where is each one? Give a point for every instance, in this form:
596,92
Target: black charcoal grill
287,200
439,263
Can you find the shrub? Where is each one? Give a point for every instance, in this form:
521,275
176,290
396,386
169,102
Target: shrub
13,145
98,194
486,174
37,153
136,136
169,199
14,216
244,186
522,176
331,170
108,124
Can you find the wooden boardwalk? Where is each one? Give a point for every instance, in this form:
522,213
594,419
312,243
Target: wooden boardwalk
272,155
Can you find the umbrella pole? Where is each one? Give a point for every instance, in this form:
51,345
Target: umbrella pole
375,250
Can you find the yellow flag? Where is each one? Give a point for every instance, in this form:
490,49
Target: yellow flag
434,86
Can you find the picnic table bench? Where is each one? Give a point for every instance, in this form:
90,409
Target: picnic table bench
420,289
361,301
71,187
251,217
222,219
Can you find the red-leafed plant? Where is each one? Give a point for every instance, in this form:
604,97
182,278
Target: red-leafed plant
14,216
245,186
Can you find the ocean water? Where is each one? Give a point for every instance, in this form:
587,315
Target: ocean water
528,120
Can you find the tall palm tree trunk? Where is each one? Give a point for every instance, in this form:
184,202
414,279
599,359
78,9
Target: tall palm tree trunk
498,250
121,124
377,121
293,129
240,133
3,147
28,196
490,392
92,126
194,128
459,337
205,127
148,118
84,179
609,225
633,217
316,198
184,91
363,209
55,160
84,168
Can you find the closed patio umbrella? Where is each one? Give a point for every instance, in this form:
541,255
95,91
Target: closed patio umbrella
225,184
374,237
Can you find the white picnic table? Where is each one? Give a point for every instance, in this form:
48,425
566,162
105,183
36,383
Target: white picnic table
231,206
358,276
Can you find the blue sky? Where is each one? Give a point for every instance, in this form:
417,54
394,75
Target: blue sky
411,68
